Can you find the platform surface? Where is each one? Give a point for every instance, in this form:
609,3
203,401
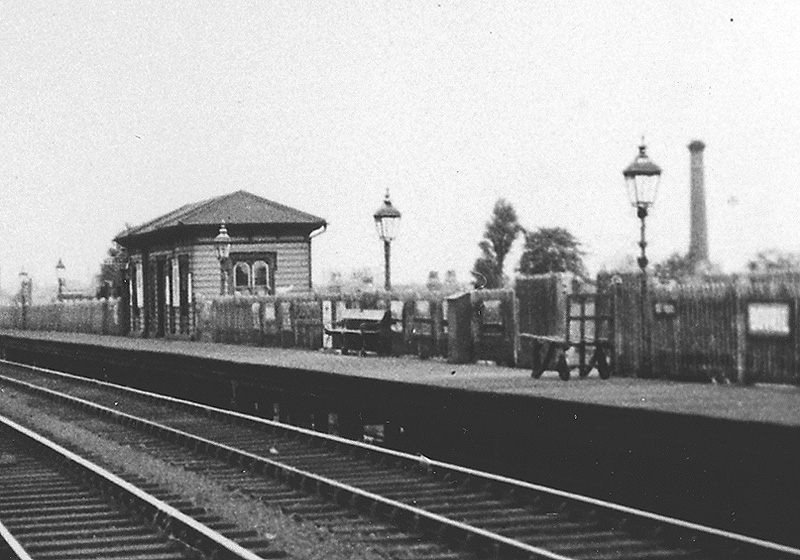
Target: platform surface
773,404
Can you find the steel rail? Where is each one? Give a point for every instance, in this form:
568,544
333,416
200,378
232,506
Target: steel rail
13,544
473,535
173,521
424,462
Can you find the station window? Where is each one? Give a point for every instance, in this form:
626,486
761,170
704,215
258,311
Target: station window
260,278
242,277
254,273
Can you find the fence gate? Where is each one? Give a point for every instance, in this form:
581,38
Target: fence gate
590,331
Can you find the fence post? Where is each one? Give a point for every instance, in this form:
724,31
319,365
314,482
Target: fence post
285,324
104,316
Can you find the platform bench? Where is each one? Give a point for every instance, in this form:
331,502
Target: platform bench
362,331
550,353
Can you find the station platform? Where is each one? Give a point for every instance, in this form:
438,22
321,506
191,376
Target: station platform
721,455
762,403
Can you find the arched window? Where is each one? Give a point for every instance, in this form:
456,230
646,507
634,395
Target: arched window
260,278
254,272
241,277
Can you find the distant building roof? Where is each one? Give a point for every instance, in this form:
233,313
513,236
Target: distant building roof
238,208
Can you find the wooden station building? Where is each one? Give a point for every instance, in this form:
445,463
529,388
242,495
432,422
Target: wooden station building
172,260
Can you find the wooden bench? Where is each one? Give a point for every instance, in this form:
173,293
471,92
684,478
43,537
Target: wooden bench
550,353
362,330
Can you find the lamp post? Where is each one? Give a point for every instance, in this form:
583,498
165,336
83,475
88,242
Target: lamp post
25,293
642,178
222,243
60,274
387,222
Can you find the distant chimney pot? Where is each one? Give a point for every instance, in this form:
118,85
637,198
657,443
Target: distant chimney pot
696,146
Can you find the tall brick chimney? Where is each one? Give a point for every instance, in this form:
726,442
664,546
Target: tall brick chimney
698,243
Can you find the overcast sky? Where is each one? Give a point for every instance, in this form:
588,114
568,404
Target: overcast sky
115,113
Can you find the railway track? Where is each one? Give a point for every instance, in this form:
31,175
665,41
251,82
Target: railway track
475,513
54,504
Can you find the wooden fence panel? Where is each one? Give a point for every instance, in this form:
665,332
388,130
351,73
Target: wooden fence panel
628,349
89,316
695,331
772,357
308,323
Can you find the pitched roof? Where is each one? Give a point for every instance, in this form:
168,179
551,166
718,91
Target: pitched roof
240,207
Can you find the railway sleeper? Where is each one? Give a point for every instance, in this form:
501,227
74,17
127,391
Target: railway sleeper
140,542
549,535
385,479
418,497
466,510
618,545
44,501
531,523
40,518
430,551
64,532
24,527
316,509
509,521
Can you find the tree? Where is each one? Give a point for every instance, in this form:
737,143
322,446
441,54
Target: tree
773,261
501,232
111,279
551,250
675,267
363,278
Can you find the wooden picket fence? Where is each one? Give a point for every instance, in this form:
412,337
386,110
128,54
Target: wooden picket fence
97,316
728,328
420,322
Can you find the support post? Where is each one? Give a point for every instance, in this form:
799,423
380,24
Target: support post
387,254
645,366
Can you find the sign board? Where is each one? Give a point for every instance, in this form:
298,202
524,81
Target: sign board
664,309
769,319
